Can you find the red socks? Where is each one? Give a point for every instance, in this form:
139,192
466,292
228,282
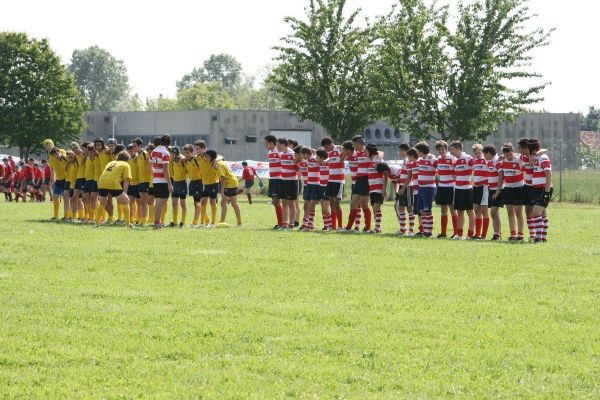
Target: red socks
455,223
351,219
484,227
340,219
444,224
368,219
279,212
478,225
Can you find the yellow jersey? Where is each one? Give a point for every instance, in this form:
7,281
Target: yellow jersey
114,173
143,169
88,173
227,175
97,168
72,173
58,166
179,170
80,165
171,166
105,157
193,168
134,172
209,173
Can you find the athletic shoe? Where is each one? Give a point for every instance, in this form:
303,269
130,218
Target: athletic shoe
194,226
96,226
520,239
368,231
410,234
326,229
512,239
238,226
357,229
210,226
181,225
428,235
340,229
442,236
419,234
468,238
377,231
537,240
276,227
496,238
456,237
296,224
156,226
172,225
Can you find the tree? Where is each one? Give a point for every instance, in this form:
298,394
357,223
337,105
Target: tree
204,96
161,104
457,82
129,103
222,68
101,78
324,69
38,97
591,122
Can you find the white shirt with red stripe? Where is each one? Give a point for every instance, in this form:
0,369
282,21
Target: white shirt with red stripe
541,164
375,178
159,157
289,168
513,174
313,172
445,171
396,172
427,170
323,174
413,167
480,171
364,162
274,164
463,169
353,164
336,165
303,168
527,168
493,175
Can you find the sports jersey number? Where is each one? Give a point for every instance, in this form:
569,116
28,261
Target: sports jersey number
111,166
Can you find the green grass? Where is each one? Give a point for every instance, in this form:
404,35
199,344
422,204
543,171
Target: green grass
252,313
579,186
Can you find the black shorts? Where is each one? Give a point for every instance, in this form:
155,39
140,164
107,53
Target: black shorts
376,198
211,191
361,186
299,186
463,199
444,196
312,192
513,196
289,190
67,185
90,186
106,192
195,190
538,197
133,191
402,200
499,202
144,187
160,191
80,184
274,188
480,195
29,182
180,190
335,190
46,181
527,195
231,192
248,183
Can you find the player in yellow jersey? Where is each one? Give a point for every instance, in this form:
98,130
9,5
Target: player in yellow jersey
90,184
71,172
180,188
210,182
110,185
144,178
57,158
133,192
80,180
195,175
229,188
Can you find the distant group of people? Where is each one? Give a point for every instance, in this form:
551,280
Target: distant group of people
24,180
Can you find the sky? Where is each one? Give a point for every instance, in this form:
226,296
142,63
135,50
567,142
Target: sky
160,41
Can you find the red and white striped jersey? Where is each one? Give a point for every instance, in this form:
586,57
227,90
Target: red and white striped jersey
158,158
492,169
480,171
396,172
313,172
427,170
527,169
289,168
323,174
336,165
274,164
413,167
363,164
445,171
541,164
303,168
463,169
375,178
513,174
353,163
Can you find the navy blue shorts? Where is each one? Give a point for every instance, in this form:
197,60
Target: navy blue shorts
59,188
248,184
90,186
180,190
426,196
313,192
275,188
133,191
80,184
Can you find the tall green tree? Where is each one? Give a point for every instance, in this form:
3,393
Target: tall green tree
101,77
222,68
204,96
460,83
591,121
38,97
324,68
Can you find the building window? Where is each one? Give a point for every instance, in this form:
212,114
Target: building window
387,134
377,134
397,133
368,133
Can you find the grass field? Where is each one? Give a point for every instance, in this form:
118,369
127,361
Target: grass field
579,186
252,313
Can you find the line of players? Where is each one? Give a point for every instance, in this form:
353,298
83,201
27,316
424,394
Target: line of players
141,179
470,189
24,179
